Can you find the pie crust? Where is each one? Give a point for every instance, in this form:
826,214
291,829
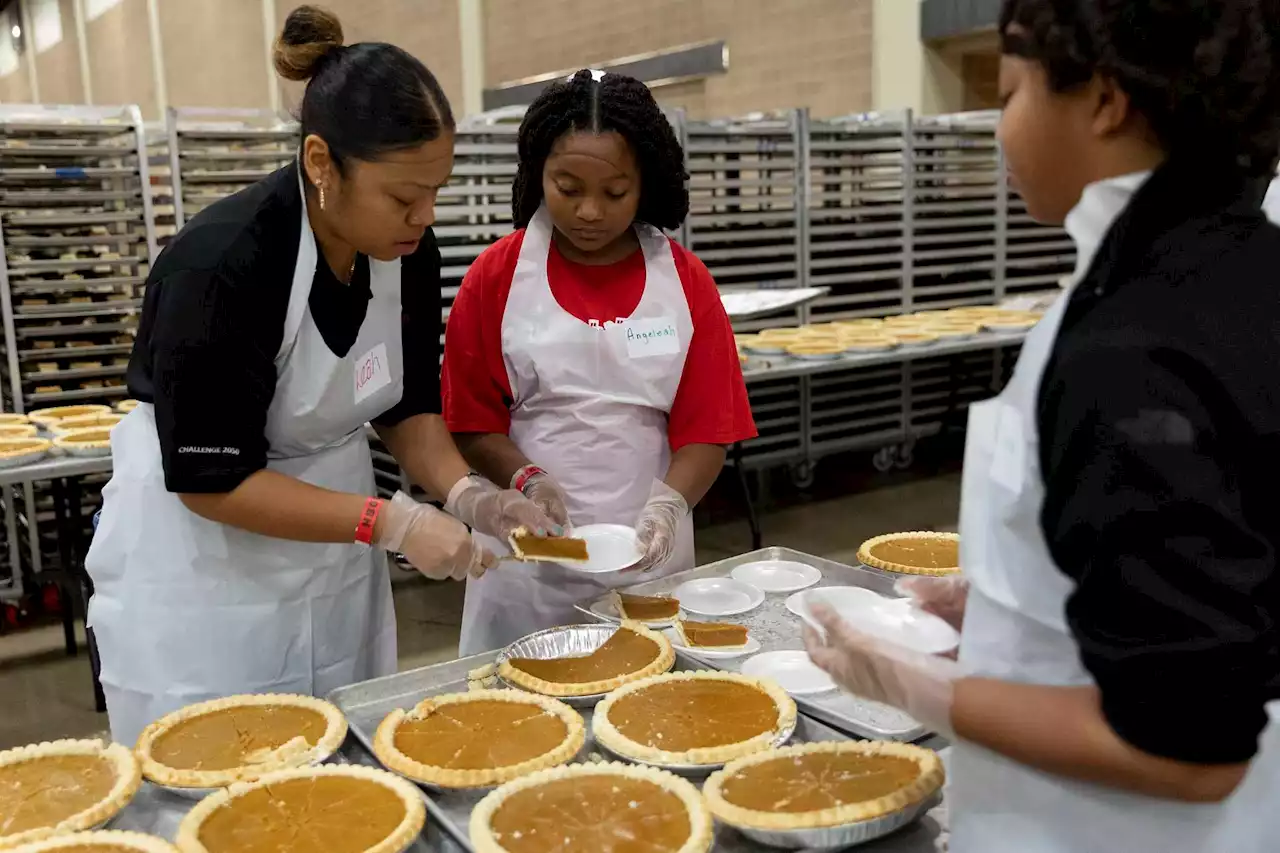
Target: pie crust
100,842
87,438
45,417
124,407
919,774
555,549
631,653
914,336
275,731
518,734
101,419
695,635
915,553
17,430
605,805
11,418
12,447
307,804
93,783
739,715
646,608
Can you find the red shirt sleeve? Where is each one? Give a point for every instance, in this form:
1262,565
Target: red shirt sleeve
474,388
711,405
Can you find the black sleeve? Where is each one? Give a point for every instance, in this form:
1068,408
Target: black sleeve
212,351
420,311
1144,459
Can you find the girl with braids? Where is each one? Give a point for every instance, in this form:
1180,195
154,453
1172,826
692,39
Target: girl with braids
588,359
1120,656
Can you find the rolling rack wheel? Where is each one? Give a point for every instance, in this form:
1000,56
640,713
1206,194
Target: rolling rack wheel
904,455
802,474
884,459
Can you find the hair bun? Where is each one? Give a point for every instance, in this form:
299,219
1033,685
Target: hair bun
310,35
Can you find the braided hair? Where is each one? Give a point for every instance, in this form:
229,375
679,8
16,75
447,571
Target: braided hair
613,103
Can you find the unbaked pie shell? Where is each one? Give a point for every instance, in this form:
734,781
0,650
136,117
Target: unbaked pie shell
662,662
117,842
867,558
288,755
928,781
384,746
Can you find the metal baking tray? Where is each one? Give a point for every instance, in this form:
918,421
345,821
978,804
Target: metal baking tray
366,705
779,629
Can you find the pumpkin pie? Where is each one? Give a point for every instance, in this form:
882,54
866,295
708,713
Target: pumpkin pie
63,786
916,553
19,448
100,842
646,608
46,417
18,430
694,718
480,738
334,808
631,653
711,635
826,784
85,441
100,419
212,744
914,337
124,407
10,418
556,549
603,808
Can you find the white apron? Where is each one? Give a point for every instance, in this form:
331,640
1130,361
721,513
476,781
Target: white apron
1015,630
186,609
591,409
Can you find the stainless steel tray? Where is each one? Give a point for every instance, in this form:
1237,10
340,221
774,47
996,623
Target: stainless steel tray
365,705
779,629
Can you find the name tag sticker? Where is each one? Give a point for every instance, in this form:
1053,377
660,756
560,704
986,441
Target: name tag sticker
373,372
651,337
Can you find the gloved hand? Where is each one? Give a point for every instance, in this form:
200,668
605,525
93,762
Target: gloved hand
656,529
920,684
496,512
438,546
944,597
546,494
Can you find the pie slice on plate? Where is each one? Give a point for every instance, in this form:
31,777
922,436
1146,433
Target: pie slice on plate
555,549
916,553
238,739
64,786
826,784
593,807
631,653
646,608
480,738
694,718
335,808
721,636
100,842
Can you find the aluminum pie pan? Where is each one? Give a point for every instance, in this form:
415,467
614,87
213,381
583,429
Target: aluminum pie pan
563,642
201,793
845,835
694,770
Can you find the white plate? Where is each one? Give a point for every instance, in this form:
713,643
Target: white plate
718,596
893,619
777,575
797,675
604,608
610,548
752,646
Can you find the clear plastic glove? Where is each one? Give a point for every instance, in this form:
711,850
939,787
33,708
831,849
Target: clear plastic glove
656,529
943,597
546,495
438,546
920,684
496,512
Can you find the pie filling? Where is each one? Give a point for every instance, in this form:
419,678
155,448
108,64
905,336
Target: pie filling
335,814
236,737
714,634
818,781
480,735
920,552
623,653
648,607
529,547
603,814
685,714
43,792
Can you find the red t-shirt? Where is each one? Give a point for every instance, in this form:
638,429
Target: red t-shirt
710,406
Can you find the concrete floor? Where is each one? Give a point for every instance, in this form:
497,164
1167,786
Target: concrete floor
46,695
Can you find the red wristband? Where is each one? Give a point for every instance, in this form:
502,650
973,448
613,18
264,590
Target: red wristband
368,517
524,475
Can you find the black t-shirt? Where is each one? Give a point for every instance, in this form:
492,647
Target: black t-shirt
213,323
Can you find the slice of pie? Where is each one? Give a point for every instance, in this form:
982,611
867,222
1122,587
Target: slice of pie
238,739
711,635
101,842
480,738
593,807
336,808
64,786
554,549
631,653
915,553
694,718
826,784
646,608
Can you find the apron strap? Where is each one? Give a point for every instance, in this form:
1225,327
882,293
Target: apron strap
304,273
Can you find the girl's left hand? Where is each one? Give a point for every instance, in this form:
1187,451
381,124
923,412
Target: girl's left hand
656,529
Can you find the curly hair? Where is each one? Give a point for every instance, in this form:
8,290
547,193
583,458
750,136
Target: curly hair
614,103
1203,73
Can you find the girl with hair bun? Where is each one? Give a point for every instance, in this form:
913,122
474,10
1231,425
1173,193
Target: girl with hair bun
242,548
1119,668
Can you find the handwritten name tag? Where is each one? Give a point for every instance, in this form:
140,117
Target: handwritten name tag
651,337
372,373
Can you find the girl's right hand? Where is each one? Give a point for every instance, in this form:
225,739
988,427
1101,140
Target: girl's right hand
943,597
434,543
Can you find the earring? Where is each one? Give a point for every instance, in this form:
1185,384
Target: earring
321,186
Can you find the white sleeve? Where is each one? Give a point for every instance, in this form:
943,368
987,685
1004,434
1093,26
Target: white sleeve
1271,204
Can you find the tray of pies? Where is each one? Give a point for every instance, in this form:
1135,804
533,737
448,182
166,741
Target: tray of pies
769,627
